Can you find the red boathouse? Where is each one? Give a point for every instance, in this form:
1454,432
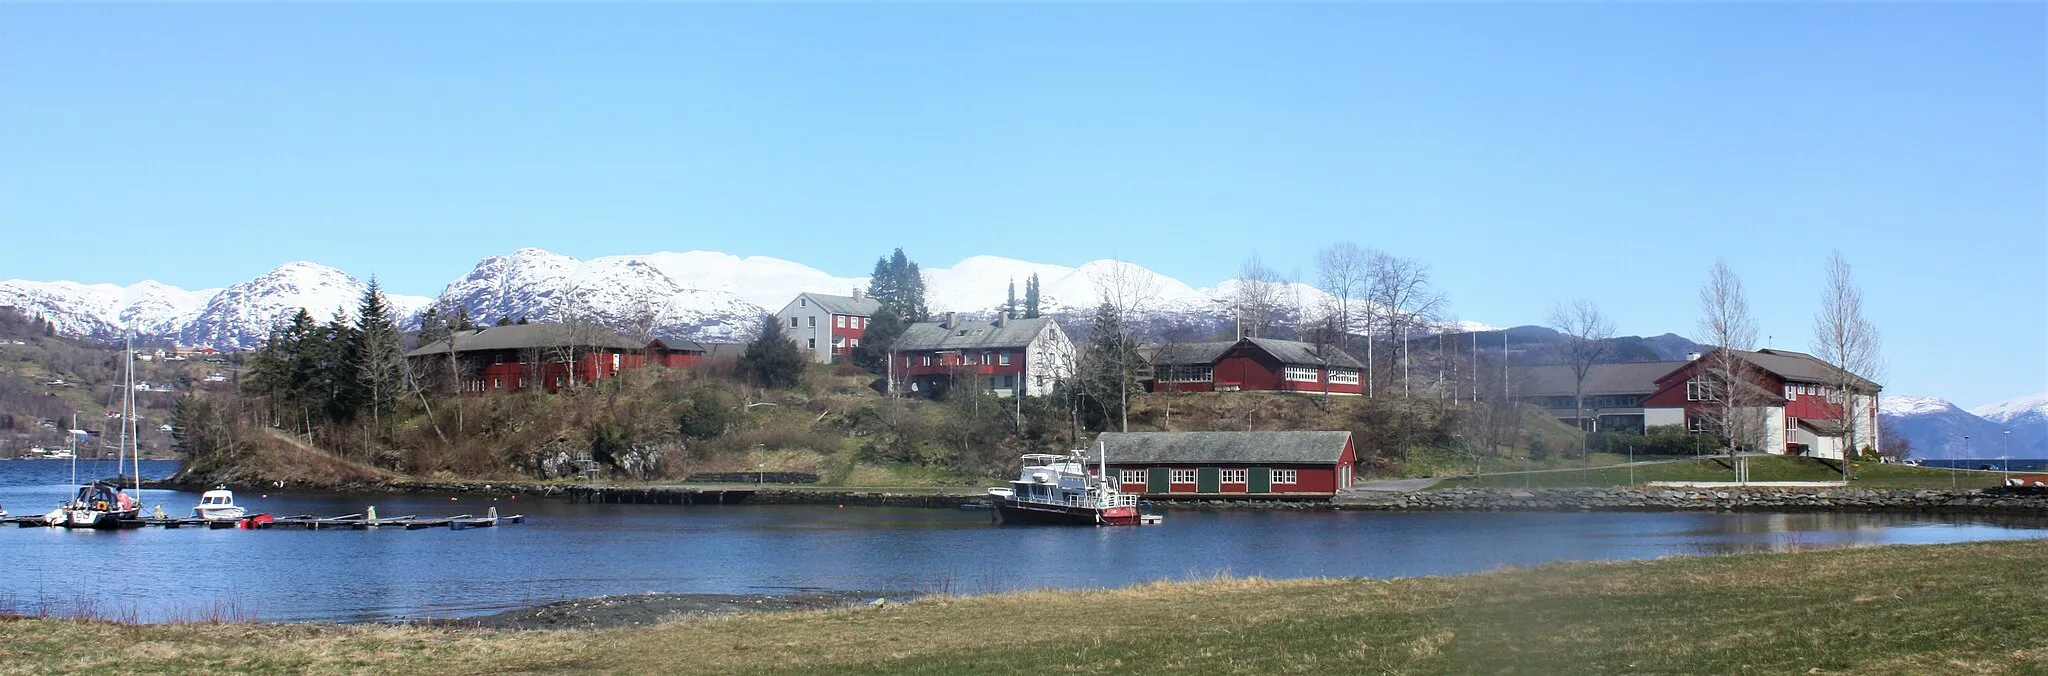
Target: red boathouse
1202,465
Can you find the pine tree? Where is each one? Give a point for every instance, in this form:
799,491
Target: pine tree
1010,303
772,360
380,364
433,327
883,330
1031,297
505,320
462,322
897,283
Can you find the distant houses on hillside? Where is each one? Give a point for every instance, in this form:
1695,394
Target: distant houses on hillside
826,327
1006,356
549,357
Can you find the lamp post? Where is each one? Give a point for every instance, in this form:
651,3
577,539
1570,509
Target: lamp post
2006,452
1952,462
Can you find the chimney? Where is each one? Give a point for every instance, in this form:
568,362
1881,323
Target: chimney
949,320
1001,319
856,293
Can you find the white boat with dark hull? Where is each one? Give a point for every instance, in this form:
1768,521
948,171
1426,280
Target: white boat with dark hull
100,505
1059,489
218,505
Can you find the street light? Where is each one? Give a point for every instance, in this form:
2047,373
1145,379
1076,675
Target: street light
2007,454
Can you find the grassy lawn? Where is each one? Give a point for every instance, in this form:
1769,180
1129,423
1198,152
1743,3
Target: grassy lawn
1427,461
1773,468
1975,608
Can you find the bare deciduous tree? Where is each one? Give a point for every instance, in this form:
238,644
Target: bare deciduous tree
1401,298
1127,291
1734,401
1341,272
1258,296
1585,332
1848,342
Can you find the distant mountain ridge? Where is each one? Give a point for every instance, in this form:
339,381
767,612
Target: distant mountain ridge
1939,429
700,295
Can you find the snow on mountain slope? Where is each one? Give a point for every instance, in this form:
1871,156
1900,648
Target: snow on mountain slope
104,310
241,316
2033,405
1937,429
1910,405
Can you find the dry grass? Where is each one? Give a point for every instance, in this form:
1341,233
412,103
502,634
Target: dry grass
1971,608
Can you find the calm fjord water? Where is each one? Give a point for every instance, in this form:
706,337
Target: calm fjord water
569,551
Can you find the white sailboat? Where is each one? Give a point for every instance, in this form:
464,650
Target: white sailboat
100,505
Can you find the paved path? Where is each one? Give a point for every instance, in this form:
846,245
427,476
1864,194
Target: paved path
1394,485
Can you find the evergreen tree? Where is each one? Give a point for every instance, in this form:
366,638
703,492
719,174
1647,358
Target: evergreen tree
883,330
897,283
1110,366
772,360
1031,297
882,283
505,320
1010,303
433,326
380,364
461,322
337,368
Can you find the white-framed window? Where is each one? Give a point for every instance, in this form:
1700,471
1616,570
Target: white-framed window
1186,373
813,320
1283,477
1302,374
811,343
839,341
522,382
1131,476
1792,392
1003,359
802,302
1699,389
863,322
1181,476
987,358
927,360
853,342
1791,428
498,358
1343,376
792,322
1695,424
839,321
497,383
558,381
1234,476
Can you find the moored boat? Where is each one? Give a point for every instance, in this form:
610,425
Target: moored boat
218,505
100,506
1058,489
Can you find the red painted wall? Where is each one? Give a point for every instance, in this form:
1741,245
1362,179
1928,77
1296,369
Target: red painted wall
1311,480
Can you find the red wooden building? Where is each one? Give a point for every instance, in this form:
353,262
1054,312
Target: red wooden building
1794,393
1254,364
1202,465
1004,356
546,356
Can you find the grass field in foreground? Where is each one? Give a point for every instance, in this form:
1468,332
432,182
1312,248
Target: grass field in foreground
1764,468
1949,609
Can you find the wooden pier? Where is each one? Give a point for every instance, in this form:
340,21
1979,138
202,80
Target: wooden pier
368,521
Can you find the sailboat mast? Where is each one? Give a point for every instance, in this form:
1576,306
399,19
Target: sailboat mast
134,430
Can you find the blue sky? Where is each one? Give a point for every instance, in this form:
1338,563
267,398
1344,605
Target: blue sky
1530,153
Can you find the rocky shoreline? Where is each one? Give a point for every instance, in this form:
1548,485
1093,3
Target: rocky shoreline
1746,498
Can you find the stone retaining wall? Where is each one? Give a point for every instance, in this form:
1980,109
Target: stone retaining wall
2007,501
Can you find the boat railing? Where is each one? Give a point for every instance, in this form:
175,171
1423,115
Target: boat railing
1079,500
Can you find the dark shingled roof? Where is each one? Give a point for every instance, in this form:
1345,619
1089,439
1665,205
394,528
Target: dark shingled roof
1223,447
1799,366
1556,379
967,335
536,336
1289,352
845,305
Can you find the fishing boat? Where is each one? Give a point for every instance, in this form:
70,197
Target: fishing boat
101,505
1058,489
218,505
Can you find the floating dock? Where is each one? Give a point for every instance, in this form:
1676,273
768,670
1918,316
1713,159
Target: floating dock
368,521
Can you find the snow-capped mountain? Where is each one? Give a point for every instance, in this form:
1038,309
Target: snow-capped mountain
701,295
1938,429
237,317
2027,417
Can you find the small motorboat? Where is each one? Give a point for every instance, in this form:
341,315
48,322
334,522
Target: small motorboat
1059,489
218,505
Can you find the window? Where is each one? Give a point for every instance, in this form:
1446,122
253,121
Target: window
1186,373
558,381
1302,374
497,383
1700,390
1791,428
839,321
792,322
813,321
801,302
1132,476
1792,392
1343,376
927,360
1696,424
853,342
1181,476
522,382
1003,359
863,322
839,341
498,358
1233,476
1283,476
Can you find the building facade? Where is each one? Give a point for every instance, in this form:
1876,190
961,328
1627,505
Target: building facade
1262,364
547,357
1246,465
1613,393
1792,397
825,327
1004,356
